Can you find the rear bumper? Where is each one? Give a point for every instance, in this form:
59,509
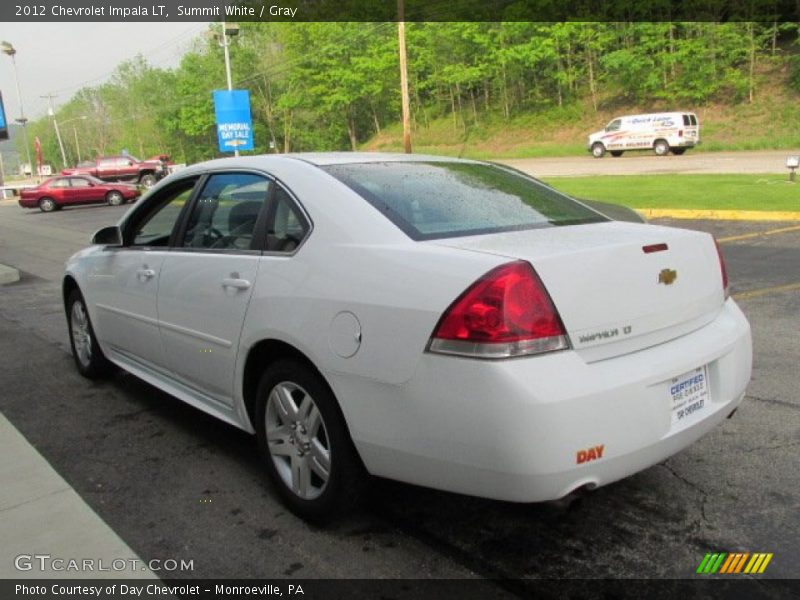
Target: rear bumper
28,202
511,429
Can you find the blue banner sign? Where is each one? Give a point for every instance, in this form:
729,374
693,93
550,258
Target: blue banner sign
3,124
234,125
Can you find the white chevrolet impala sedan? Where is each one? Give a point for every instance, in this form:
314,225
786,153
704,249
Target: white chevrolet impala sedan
450,323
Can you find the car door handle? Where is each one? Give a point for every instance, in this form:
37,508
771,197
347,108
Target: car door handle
145,273
239,284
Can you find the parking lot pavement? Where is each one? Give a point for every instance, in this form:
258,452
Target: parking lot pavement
173,482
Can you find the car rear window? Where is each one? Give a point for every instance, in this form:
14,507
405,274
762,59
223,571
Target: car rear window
433,200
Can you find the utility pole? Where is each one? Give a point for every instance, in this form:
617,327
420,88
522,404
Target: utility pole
51,111
77,145
401,38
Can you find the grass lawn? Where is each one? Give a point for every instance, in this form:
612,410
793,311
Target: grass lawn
712,192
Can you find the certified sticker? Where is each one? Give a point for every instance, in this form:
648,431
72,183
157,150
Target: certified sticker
691,398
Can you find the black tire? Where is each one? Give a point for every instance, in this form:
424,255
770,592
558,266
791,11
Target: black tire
92,364
598,150
47,205
661,147
114,198
678,151
346,476
148,180
616,153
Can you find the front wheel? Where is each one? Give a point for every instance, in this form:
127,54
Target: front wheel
114,198
598,150
89,358
148,180
305,444
661,147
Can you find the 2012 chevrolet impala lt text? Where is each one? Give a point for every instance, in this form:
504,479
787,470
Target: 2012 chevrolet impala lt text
450,323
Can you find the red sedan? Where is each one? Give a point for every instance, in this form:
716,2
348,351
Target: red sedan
56,192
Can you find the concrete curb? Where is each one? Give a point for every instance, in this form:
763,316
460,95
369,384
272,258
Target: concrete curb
8,274
40,514
723,215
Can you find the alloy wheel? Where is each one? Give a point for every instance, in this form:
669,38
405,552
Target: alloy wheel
298,440
81,336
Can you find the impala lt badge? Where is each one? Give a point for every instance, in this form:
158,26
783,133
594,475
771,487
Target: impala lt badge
667,276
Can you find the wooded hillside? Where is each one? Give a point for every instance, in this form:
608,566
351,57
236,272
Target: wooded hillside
326,86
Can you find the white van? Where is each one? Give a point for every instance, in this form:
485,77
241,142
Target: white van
661,132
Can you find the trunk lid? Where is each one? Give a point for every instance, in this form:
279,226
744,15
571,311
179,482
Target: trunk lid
614,297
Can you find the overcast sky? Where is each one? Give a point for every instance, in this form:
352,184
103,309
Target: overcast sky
63,57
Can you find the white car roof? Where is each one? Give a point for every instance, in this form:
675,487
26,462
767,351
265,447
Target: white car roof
271,161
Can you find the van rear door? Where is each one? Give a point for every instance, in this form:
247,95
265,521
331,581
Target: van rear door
691,128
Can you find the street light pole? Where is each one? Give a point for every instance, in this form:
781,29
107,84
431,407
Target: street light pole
7,48
225,43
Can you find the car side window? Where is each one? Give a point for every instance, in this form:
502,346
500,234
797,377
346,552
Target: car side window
154,226
60,183
105,163
288,226
77,182
614,125
225,214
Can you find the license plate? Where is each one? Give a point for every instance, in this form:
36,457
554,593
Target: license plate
691,398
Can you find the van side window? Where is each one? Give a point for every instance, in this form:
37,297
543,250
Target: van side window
614,125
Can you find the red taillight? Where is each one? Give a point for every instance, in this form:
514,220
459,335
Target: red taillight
507,312
680,133
722,269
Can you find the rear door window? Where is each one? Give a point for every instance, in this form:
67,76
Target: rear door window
693,119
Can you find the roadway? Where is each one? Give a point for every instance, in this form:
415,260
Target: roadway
647,163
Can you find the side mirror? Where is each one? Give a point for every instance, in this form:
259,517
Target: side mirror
108,236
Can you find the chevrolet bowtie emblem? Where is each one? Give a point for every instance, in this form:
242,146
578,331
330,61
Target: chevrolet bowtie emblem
667,276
